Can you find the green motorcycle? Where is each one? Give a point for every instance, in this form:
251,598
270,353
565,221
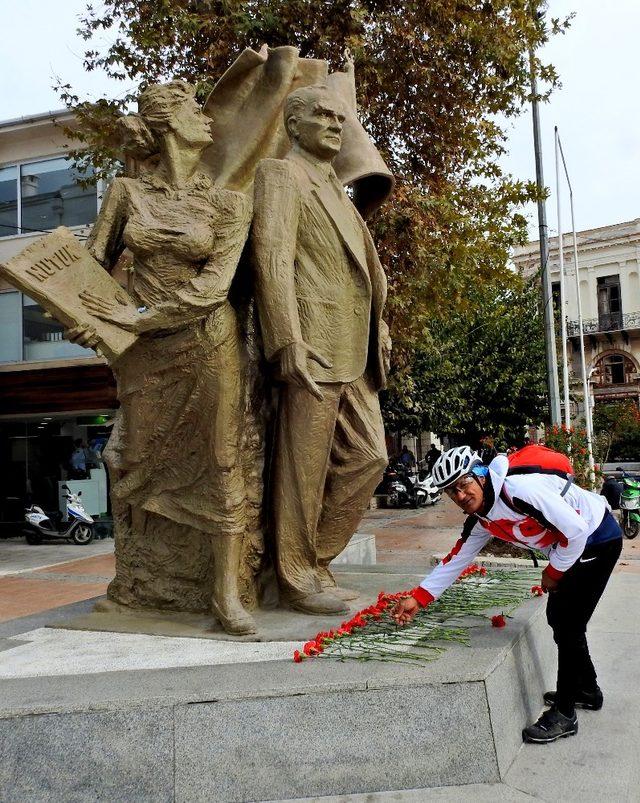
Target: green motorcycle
630,506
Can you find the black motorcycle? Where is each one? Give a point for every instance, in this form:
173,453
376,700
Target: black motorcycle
396,486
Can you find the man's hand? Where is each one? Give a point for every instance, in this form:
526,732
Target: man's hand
293,367
405,610
122,314
548,583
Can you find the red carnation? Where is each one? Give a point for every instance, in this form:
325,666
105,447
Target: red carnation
498,620
298,657
537,591
310,648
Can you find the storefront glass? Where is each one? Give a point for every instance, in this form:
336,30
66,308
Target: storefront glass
36,456
44,337
10,327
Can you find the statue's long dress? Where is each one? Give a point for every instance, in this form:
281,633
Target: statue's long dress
174,455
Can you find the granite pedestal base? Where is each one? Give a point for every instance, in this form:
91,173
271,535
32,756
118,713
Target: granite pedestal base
271,729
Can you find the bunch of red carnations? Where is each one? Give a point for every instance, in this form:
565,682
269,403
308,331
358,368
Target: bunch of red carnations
473,569
361,619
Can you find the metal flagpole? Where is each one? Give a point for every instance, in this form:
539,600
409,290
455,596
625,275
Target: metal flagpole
563,317
588,420
545,278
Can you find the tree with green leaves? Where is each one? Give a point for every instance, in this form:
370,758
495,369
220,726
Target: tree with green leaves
437,83
481,371
616,427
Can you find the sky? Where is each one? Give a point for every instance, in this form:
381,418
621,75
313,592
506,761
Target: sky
596,110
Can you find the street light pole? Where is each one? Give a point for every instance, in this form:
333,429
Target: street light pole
586,390
545,279
563,317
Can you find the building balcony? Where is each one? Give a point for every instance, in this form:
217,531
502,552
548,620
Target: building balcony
605,324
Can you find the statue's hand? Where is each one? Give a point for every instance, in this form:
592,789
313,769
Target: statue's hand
122,314
293,367
386,346
84,335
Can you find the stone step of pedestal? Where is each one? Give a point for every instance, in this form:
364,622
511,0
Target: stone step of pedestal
360,551
273,729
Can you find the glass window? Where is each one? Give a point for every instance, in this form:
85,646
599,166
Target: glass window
44,337
615,369
52,197
8,201
10,327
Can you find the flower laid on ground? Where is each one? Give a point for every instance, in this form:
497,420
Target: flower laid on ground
537,591
373,634
473,569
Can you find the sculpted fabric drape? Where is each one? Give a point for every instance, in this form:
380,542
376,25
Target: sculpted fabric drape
245,108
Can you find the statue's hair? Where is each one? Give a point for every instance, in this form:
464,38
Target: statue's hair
299,99
157,105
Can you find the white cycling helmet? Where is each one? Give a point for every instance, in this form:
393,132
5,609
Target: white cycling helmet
453,464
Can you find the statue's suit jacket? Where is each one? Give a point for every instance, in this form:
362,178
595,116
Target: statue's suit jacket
318,276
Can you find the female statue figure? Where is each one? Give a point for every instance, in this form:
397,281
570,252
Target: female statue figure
175,455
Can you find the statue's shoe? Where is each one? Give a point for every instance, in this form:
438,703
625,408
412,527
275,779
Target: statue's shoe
319,604
328,584
234,619
346,594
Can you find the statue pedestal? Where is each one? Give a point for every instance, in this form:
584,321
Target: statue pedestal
205,719
361,551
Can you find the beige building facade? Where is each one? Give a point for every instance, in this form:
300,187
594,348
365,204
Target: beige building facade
52,392
609,282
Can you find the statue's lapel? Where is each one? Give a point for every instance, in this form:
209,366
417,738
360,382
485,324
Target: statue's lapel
342,217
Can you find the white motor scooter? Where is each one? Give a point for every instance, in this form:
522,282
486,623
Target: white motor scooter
425,491
79,528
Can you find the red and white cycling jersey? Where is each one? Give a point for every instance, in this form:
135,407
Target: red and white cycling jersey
570,518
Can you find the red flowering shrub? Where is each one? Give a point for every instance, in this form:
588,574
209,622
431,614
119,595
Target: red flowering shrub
573,443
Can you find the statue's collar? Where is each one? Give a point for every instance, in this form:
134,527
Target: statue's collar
158,181
307,159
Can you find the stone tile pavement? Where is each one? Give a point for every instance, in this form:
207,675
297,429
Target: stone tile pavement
40,578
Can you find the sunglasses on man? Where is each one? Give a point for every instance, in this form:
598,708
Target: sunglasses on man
460,486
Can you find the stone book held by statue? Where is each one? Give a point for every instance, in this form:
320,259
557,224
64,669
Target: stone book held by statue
55,271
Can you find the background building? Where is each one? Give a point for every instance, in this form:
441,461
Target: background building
609,280
52,392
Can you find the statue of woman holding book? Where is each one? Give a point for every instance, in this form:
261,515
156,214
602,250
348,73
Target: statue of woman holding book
175,457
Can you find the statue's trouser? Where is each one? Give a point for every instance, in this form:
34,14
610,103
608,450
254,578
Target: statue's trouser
329,457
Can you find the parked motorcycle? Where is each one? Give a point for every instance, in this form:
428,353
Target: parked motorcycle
403,488
79,528
425,491
630,506
395,487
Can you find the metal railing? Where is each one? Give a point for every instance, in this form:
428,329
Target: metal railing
613,322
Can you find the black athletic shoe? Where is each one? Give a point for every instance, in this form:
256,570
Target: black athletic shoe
552,725
591,700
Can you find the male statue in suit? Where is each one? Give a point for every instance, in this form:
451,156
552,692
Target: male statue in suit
320,290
